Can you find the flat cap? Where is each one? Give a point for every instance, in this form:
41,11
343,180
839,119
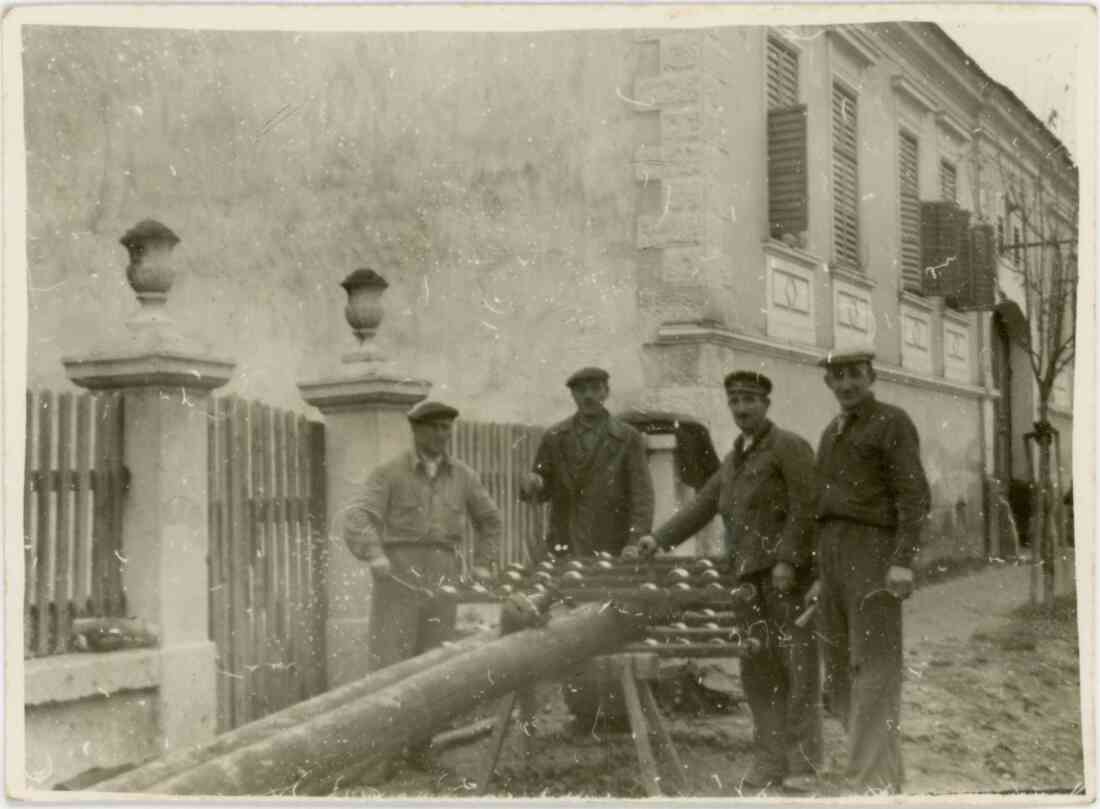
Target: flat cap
587,374
846,358
431,411
750,381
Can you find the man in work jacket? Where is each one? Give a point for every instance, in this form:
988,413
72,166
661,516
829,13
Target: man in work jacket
592,469
407,525
764,491
873,501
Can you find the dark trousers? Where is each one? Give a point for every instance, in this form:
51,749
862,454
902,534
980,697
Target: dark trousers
782,683
403,623
861,634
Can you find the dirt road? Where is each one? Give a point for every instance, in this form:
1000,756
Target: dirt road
990,704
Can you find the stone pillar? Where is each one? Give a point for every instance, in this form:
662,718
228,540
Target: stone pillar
661,452
166,381
364,403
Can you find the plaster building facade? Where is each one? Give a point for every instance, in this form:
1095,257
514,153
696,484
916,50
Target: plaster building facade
667,204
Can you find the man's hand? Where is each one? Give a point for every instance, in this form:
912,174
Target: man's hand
531,484
813,595
644,547
380,567
783,577
899,581
481,573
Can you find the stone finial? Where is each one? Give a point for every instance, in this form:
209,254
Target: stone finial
150,271
364,312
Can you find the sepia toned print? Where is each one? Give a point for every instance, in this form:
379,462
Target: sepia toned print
621,411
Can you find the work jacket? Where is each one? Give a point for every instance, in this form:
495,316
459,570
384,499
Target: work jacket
603,503
766,498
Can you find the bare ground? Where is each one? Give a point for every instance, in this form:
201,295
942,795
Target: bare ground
991,704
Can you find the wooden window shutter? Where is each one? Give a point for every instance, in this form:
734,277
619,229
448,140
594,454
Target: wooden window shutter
787,176
959,282
845,178
909,213
949,182
782,78
939,249
983,264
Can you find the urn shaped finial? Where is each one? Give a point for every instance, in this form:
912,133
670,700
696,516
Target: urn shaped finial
364,309
150,271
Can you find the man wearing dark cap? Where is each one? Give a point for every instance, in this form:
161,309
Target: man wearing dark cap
873,500
407,525
764,491
592,469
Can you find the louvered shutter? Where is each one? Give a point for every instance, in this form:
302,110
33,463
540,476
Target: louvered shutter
948,182
845,178
959,282
983,263
910,213
787,182
782,75
939,248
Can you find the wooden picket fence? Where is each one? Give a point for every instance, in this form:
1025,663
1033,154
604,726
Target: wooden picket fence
501,454
266,529
72,507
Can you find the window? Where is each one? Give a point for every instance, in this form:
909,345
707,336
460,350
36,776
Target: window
787,179
845,178
948,182
782,75
909,212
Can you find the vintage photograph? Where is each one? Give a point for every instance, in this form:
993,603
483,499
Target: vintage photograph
543,403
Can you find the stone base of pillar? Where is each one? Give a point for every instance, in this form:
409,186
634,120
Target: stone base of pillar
188,695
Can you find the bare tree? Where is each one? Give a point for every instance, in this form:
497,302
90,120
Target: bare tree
1043,247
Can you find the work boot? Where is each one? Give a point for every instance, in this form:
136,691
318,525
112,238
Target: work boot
802,782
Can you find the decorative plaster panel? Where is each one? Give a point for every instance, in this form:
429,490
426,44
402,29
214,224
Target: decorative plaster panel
853,321
790,300
916,342
956,350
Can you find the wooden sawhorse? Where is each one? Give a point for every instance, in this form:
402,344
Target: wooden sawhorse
652,741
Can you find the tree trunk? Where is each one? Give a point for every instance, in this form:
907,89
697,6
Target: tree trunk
1043,521
161,769
382,723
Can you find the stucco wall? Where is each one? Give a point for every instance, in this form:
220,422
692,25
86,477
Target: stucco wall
488,177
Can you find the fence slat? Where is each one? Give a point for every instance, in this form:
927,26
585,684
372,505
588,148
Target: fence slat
277,537
44,538
293,560
30,516
317,552
219,572
241,544
63,570
82,508
257,562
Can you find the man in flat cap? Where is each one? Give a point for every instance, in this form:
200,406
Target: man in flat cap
407,525
592,469
873,501
764,491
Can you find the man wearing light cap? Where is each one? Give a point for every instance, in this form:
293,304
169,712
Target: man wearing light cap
592,469
764,491
407,525
872,503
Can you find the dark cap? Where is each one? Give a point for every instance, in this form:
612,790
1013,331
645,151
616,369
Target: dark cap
748,381
588,374
431,411
833,359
